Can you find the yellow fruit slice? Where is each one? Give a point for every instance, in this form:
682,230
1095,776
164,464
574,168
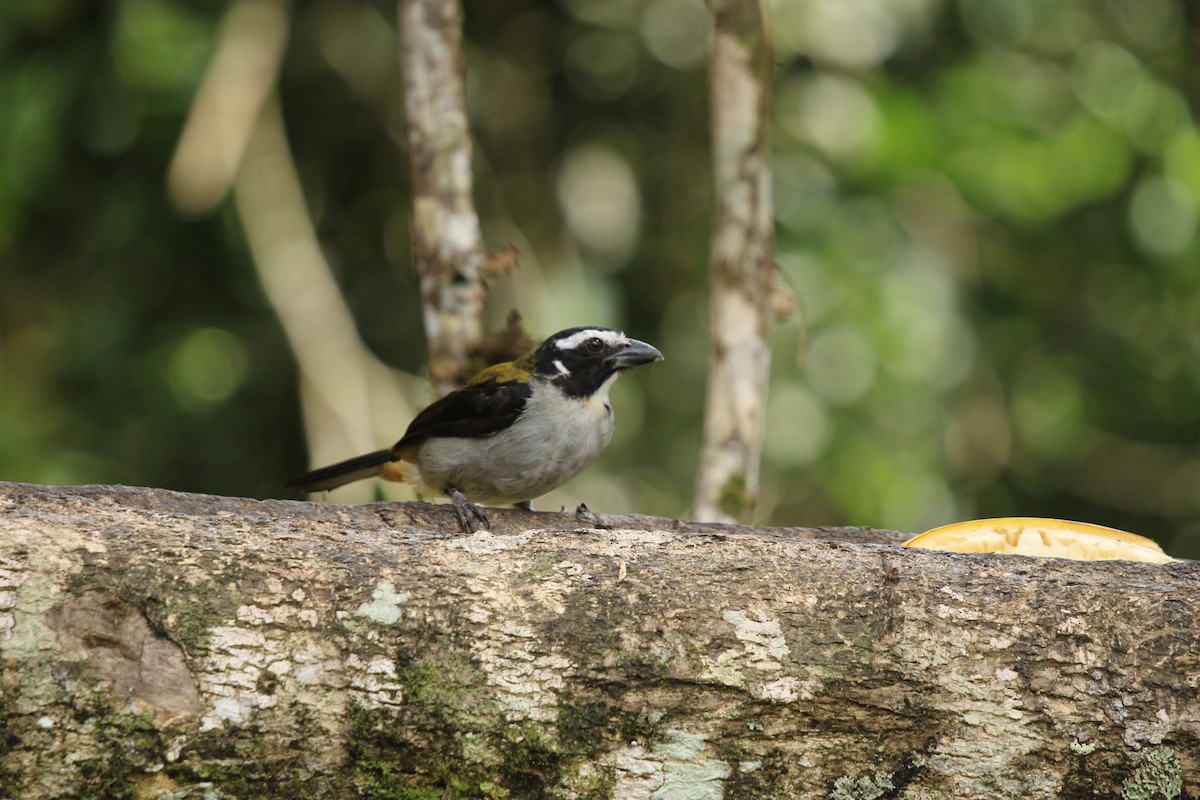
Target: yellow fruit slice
1049,538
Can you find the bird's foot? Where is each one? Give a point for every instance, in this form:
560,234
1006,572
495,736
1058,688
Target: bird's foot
470,516
585,516
524,505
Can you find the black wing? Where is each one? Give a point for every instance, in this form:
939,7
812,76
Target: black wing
479,409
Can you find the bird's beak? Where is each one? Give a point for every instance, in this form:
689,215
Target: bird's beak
635,353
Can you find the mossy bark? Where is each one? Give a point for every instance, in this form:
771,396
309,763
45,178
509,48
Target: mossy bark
155,644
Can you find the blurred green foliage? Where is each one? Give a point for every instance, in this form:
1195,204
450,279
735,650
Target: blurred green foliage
987,210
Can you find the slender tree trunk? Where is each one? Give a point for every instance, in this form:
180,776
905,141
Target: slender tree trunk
447,243
742,263
234,137
352,402
239,81
155,644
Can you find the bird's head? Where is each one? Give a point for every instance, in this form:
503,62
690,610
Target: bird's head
582,360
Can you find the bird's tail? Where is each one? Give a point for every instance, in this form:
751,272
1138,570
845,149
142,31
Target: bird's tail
343,472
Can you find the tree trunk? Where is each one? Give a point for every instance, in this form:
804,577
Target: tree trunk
447,242
160,644
741,263
239,82
343,385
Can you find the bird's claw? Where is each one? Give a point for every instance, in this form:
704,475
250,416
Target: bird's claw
470,516
591,519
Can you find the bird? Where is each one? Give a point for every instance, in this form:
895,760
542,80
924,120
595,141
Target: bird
516,431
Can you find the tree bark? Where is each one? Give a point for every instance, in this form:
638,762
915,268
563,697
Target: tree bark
447,242
160,644
742,263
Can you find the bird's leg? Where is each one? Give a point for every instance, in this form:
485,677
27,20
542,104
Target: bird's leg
524,505
585,516
470,516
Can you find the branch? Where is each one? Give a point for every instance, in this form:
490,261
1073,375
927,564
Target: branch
742,263
344,386
447,243
234,137
155,643
239,82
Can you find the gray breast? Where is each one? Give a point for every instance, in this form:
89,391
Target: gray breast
553,440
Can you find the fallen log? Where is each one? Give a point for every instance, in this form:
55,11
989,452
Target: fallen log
156,644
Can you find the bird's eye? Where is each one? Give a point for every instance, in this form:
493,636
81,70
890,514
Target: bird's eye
594,345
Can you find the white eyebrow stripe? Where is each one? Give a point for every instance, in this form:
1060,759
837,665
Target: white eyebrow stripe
578,338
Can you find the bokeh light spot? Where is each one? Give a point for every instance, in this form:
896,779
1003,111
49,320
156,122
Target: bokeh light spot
1105,76
834,114
207,367
1047,405
676,32
160,45
841,365
610,13
916,500
601,201
849,33
798,423
602,64
1152,24
1163,216
997,21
